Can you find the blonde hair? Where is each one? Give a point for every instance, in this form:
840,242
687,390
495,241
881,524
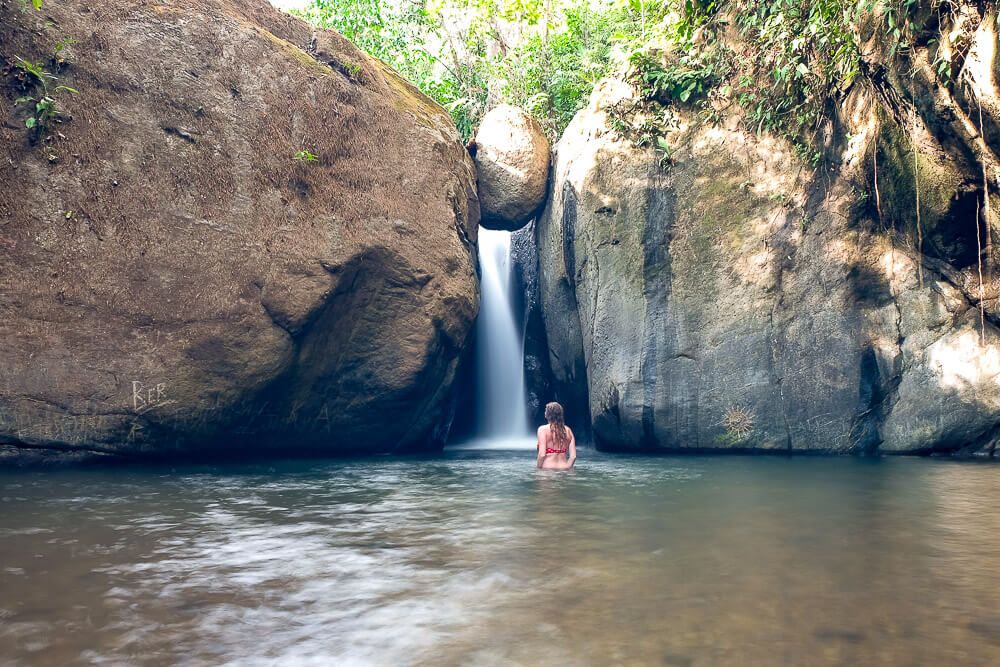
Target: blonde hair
557,422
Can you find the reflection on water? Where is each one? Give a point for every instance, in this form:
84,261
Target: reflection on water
478,558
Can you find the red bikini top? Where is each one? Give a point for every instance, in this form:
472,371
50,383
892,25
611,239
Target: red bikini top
549,450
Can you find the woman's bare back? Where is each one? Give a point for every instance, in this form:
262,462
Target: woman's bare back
553,455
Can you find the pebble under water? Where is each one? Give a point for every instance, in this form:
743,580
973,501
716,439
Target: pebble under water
477,558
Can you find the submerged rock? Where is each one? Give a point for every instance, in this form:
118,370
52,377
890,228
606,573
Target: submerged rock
244,235
734,299
512,160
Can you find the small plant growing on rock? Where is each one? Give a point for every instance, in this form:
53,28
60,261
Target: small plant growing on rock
665,153
739,422
59,50
781,198
305,156
46,103
682,82
643,125
347,68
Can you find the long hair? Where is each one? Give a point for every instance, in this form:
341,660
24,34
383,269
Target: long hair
557,422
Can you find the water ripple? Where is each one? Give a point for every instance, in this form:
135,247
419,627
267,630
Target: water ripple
477,558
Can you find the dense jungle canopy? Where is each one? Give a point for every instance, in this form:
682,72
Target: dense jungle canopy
782,61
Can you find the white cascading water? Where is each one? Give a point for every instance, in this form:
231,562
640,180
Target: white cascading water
501,408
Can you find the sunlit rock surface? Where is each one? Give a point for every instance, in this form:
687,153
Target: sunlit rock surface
512,160
734,299
245,236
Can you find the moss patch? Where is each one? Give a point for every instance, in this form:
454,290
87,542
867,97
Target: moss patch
295,52
898,181
715,217
409,99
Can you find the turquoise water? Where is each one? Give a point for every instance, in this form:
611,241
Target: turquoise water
477,558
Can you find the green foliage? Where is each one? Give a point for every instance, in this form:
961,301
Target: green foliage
781,61
686,80
802,54
665,152
305,156
393,33
644,124
43,98
553,72
59,50
35,70
469,55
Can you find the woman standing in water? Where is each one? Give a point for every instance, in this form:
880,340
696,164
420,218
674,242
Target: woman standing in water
556,444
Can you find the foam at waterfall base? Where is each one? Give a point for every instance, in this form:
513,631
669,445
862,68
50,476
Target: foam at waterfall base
525,442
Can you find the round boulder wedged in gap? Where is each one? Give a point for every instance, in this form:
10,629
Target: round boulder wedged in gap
512,160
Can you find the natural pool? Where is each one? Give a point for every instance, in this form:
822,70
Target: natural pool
476,558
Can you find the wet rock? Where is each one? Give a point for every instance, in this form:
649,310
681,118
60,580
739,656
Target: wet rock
524,260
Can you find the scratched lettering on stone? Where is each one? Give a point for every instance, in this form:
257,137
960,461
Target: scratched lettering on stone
324,418
146,397
33,423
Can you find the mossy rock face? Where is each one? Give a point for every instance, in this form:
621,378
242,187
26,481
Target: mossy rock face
736,300
175,283
913,168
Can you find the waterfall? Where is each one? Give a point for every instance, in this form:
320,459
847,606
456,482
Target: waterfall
501,408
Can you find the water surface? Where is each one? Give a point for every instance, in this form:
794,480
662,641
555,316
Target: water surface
477,558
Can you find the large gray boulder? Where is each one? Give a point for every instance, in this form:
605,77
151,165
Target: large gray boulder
512,161
728,302
174,282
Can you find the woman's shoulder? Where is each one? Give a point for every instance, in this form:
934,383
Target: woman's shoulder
544,428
